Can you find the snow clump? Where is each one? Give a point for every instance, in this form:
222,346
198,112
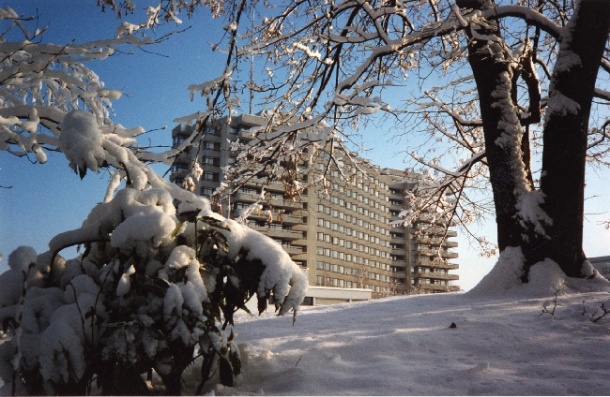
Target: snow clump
505,275
81,141
544,278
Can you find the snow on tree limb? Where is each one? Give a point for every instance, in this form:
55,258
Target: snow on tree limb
156,280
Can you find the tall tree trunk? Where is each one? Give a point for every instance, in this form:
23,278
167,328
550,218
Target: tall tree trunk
565,135
494,73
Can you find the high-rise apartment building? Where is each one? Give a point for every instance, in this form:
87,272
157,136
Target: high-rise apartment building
341,238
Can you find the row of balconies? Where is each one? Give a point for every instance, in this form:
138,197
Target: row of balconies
438,288
181,130
426,275
435,276
242,123
259,183
184,157
399,263
394,195
435,241
292,249
427,251
398,239
186,130
285,218
246,135
396,206
253,197
434,229
437,263
398,251
180,174
284,234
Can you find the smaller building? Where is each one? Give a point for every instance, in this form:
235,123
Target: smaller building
602,265
331,295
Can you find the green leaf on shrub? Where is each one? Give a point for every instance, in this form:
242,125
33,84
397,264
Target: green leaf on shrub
226,372
214,222
235,358
220,240
262,304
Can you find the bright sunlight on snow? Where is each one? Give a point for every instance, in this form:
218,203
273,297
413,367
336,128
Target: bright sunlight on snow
538,338
409,346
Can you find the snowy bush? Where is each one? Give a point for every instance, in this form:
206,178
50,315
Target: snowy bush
153,292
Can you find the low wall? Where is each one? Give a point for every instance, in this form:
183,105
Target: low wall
329,295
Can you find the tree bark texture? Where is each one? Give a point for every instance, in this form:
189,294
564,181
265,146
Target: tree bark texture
565,135
493,73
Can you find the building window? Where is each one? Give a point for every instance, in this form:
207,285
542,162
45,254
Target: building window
209,145
207,191
180,167
209,160
211,176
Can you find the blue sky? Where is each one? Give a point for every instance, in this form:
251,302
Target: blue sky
47,199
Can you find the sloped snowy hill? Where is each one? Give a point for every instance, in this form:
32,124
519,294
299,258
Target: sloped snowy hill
405,346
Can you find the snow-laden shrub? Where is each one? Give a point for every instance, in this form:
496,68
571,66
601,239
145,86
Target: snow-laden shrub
154,290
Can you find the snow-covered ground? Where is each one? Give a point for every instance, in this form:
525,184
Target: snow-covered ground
550,336
406,346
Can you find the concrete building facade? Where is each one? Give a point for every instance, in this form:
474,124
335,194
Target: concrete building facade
341,238
602,265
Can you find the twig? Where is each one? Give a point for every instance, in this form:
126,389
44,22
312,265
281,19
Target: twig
546,304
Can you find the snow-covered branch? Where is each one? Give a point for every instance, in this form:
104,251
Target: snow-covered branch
161,273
